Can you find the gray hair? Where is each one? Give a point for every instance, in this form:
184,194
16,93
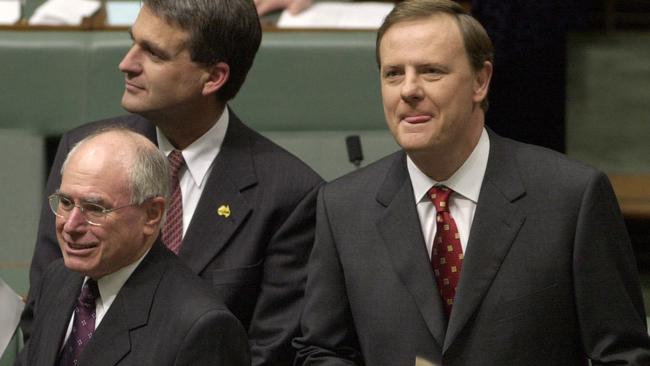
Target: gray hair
148,173
220,31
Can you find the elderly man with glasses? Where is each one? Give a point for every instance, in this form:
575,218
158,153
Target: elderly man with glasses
119,296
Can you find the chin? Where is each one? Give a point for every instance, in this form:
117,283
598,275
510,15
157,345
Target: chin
131,103
126,104
76,266
413,143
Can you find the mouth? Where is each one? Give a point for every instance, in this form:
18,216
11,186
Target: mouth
79,248
416,118
132,86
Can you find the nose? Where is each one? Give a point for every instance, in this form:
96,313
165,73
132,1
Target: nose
411,91
75,221
131,64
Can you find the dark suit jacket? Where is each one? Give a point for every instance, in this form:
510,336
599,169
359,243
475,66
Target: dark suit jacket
255,259
548,277
163,315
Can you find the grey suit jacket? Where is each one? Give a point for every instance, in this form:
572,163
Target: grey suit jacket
163,315
548,277
256,258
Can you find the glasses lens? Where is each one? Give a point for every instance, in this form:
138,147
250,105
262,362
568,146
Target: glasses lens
62,206
54,204
93,212
65,203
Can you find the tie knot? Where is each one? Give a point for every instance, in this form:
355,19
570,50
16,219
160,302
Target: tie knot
176,161
439,195
89,293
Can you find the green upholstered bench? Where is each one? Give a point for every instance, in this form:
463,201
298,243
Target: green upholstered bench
306,90
23,174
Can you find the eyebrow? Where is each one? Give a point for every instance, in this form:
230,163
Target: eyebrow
150,47
91,199
94,199
436,65
391,66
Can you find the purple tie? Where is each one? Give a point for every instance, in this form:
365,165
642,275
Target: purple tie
83,325
172,232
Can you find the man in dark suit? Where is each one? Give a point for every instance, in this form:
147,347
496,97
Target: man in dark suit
139,305
465,248
248,206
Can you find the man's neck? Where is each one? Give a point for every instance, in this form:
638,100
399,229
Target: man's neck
441,162
183,129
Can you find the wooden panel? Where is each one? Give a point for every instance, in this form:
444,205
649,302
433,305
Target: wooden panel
633,193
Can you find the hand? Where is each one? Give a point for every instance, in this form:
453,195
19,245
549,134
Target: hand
293,6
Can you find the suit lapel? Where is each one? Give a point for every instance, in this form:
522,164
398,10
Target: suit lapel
496,223
399,226
56,319
222,208
111,340
232,172
130,310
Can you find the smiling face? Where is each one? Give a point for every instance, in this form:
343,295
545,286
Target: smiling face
430,93
97,173
161,79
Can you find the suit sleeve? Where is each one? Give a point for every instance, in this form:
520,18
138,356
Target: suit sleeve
276,318
607,291
46,249
217,338
328,334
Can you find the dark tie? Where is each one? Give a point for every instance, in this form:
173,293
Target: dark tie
83,325
172,232
447,252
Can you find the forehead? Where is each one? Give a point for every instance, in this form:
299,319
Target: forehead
432,36
96,170
149,26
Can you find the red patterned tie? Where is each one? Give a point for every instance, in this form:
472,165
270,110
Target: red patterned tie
172,232
83,325
447,252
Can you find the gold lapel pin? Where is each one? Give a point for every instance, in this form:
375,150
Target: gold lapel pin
224,210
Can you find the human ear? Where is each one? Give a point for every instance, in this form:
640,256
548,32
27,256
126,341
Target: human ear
482,82
154,211
218,75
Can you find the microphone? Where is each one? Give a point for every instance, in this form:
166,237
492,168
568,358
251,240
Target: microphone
353,144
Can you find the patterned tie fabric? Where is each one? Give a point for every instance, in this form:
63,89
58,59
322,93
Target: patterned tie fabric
172,232
447,252
83,325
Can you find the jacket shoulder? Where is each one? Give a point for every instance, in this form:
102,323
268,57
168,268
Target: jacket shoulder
370,178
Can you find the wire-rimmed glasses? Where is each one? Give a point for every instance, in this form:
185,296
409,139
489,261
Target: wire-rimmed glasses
93,213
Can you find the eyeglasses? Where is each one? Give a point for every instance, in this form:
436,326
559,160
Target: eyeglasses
93,213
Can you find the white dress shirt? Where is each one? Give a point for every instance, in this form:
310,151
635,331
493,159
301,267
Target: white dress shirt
465,182
199,157
109,286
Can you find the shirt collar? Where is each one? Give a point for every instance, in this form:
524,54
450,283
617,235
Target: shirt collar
466,181
200,154
111,284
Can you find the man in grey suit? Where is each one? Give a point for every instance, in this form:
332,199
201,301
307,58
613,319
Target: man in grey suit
139,305
465,248
248,206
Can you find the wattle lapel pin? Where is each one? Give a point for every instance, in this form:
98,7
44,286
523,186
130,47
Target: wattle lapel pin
224,210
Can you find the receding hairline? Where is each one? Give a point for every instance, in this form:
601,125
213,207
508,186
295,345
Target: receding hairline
136,142
424,17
